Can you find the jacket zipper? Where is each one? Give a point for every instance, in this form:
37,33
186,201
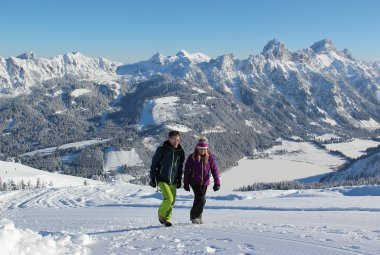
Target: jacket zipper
171,169
202,172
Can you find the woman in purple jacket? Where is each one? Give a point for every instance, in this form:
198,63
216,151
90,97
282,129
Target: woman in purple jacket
197,175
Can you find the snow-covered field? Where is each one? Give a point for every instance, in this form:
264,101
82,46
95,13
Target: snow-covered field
353,149
120,218
289,161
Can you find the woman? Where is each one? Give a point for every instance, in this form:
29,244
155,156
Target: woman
197,175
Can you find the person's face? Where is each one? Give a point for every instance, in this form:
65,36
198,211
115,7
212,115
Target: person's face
201,151
174,141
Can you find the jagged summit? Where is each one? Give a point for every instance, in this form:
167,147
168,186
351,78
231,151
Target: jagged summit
183,54
348,54
274,48
323,46
27,55
157,59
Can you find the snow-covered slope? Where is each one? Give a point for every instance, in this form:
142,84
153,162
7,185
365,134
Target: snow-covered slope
18,172
120,218
367,166
115,159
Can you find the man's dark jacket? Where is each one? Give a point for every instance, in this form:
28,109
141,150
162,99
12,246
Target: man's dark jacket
167,164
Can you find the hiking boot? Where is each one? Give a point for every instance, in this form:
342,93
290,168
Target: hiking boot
196,221
161,219
168,224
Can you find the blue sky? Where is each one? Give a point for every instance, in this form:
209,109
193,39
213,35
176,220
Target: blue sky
130,31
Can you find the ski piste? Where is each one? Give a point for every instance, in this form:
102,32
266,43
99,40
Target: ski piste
120,218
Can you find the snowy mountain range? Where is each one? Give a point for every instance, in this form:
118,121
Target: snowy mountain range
19,74
327,84
277,93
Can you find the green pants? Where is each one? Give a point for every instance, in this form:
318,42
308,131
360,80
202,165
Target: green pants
169,194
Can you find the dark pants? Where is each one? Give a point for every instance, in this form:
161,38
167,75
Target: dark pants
199,201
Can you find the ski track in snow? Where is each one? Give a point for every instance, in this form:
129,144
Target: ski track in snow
121,219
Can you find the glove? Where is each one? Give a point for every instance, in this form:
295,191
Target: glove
216,187
179,183
187,188
152,183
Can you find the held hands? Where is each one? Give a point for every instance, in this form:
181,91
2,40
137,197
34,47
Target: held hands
152,183
216,187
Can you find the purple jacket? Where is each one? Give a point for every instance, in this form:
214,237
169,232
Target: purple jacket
197,172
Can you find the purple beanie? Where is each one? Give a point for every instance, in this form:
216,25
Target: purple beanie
202,143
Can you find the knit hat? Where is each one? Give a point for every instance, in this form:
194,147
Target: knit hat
202,143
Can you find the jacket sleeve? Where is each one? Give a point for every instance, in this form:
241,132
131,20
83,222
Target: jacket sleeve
155,163
215,170
186,175
180,166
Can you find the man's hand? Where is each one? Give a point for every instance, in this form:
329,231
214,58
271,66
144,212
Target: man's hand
216,187
187,188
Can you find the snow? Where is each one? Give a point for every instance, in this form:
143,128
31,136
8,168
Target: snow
325,60
216,129
159,110
194,57
178,127
326,137
14,241
200,91
77,145
146,117
330,121
115,159
57,93
18,172
370,124
46,151
82,144
369,166
353,149
150,143
79,92
120,218
249,123
288,161
165,109
29,72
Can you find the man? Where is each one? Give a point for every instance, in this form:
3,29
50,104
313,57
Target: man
166,171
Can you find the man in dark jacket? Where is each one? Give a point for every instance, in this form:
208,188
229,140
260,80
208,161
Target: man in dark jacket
166,171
